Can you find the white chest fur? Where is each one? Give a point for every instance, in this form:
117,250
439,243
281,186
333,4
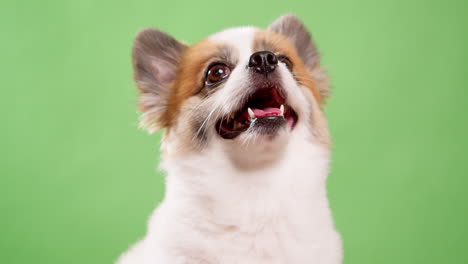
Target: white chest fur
214,213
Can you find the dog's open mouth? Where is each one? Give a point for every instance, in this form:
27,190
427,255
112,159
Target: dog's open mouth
266,111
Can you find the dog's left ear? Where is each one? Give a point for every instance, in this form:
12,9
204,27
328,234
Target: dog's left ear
295,31
293,28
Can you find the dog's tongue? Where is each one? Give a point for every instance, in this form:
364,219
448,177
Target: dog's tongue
269,111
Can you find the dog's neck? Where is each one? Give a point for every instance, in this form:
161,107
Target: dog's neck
213,182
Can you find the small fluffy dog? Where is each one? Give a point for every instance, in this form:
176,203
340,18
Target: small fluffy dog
245,148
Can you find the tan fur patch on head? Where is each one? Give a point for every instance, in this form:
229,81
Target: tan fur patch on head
279,44
190,75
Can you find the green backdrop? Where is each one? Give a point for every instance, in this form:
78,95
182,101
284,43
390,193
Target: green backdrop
78,178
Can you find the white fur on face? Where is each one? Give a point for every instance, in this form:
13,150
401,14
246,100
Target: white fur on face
230,96
241,38
227,99
241,41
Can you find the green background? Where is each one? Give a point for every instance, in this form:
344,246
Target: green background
78,178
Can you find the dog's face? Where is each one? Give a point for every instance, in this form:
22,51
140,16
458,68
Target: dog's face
239,88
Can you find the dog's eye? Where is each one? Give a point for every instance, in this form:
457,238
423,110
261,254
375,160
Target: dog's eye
216,73
286,61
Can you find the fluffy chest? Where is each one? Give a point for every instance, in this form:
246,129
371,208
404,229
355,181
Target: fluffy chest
280,215
279,232
286,234
221,208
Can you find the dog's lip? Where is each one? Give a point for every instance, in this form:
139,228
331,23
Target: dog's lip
264,102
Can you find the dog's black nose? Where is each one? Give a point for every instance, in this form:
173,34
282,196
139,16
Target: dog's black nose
263,62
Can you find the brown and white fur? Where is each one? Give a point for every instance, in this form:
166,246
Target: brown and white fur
259,197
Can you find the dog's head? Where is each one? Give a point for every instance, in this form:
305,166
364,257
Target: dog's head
239,88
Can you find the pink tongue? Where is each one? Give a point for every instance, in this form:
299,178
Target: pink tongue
267,111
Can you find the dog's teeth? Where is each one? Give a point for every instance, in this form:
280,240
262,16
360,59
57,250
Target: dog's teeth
251,113
282,110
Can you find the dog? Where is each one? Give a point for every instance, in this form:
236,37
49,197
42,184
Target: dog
246,147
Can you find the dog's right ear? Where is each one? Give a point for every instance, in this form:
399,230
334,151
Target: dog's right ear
156,58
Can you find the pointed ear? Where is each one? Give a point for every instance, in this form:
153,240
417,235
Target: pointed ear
156,58
291,27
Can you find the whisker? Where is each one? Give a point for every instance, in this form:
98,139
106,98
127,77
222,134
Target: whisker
204,122
304,78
